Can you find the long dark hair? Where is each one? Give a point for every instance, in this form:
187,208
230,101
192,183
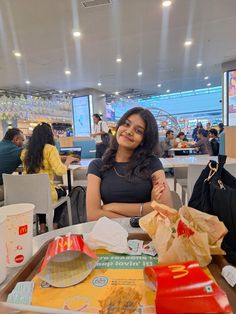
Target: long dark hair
143,155
42,135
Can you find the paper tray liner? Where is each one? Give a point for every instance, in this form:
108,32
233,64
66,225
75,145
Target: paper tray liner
112,270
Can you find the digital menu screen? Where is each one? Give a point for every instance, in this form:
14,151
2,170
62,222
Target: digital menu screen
232,98
81,115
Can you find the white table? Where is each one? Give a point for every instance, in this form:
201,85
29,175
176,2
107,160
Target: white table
185,161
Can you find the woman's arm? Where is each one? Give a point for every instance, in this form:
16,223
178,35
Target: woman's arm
159,180
93,201
129,209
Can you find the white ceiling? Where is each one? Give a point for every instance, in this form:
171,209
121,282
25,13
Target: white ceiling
147,37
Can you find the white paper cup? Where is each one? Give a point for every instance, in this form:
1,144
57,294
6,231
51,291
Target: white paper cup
3,251
19,233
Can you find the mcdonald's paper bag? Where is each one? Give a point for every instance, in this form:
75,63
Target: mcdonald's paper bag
68,261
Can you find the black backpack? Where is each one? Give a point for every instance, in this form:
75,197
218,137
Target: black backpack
78,207
215,193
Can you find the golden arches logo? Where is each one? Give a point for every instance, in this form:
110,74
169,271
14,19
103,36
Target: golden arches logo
181,269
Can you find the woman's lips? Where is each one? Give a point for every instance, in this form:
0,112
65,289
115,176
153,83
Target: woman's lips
127,137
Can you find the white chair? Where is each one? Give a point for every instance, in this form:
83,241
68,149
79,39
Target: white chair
180,177
35,189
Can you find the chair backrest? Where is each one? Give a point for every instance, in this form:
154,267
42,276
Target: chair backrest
29,188
177,203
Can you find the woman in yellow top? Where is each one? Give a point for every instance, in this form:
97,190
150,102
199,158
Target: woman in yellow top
41,156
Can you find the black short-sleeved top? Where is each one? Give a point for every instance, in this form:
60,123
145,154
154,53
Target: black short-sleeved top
117,189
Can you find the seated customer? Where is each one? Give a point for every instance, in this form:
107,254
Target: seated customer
203,144
180,138
214,140
41,156
10,150
129,176
168,143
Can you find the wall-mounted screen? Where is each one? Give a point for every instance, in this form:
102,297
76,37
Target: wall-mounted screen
82,112
232,98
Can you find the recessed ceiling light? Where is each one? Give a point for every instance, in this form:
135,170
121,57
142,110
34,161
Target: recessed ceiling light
209,84
99,84
140,73
188,43
199,64
118,60
17,54
129,97
158,85
76,34
206,77
60,91
166,3
167,90
116,93
67,72
27,82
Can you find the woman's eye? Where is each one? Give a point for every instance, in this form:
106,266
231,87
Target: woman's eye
126,123
139,131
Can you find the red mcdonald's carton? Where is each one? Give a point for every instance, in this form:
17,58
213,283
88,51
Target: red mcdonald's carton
185,288
68,261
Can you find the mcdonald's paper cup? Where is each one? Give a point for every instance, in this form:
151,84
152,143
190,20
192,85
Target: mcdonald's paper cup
19,233
3,267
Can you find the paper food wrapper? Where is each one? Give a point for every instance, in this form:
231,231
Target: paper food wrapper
68,261
185,235
108,235
184,288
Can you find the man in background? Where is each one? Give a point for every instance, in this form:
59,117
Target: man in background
10,150
168,143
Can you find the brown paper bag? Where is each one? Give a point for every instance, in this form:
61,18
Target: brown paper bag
204,222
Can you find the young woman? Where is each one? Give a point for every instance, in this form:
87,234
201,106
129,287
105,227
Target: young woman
129,176
41,156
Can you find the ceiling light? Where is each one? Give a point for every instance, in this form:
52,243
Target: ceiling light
166,3
206,77
167,90
209,84
198,65
158,85
140,73
116,93
188,43
27,82
17,54
118,60
99,84
129,97
67,72
76,34
60,91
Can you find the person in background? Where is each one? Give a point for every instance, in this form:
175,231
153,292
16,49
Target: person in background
203,144
41,156
213,138
221,127
10,150
208,126
195,131
181,137
100,127
221,139
129,176
168,143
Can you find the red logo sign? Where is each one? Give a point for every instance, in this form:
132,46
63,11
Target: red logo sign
23,229
19,259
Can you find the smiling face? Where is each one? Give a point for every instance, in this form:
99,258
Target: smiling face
131,134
